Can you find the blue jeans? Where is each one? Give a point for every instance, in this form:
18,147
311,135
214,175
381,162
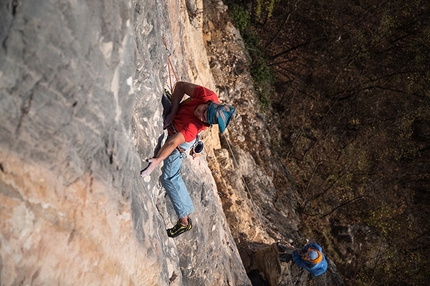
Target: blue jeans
171,180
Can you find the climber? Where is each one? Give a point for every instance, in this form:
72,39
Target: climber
184,122
311,258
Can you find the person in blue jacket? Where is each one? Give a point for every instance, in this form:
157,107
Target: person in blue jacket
311,258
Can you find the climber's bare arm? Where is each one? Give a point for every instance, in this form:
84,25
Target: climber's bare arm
181,88
165,151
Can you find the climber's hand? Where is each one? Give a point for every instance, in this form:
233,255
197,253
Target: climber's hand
148,170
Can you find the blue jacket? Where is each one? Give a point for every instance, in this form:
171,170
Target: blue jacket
315,269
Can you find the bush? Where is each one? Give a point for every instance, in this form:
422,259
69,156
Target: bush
261,73
240,17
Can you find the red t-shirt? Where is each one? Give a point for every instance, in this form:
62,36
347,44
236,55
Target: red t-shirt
185,121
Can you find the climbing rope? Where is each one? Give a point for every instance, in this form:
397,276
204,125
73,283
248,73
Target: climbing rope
169,65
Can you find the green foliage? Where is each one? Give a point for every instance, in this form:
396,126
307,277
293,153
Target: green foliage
264,7
383,219
240,17
261,73
387,25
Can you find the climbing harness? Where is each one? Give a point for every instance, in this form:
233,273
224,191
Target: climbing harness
195,150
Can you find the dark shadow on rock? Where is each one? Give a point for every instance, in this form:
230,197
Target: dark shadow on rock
257,279
158,146
262,263
167,105
285,257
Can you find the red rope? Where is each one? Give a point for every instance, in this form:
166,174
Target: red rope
169,65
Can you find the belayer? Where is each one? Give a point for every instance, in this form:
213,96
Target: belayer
184,122
309,257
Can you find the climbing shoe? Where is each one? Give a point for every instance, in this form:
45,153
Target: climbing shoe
179,228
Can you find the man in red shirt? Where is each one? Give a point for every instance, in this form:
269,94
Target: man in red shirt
184,122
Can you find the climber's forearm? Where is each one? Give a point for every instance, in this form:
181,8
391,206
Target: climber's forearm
178,94
169,146
164,152
181,88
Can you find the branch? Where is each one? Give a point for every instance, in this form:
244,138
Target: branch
281,27
342,205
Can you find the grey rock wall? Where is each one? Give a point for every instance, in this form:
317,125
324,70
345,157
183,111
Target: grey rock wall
80,107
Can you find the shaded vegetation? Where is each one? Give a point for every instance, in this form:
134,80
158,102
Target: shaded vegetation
351,84
262,75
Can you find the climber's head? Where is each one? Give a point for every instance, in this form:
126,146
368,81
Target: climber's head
220,114
313,256
201,112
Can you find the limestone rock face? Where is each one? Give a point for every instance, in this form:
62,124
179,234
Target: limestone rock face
80,108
